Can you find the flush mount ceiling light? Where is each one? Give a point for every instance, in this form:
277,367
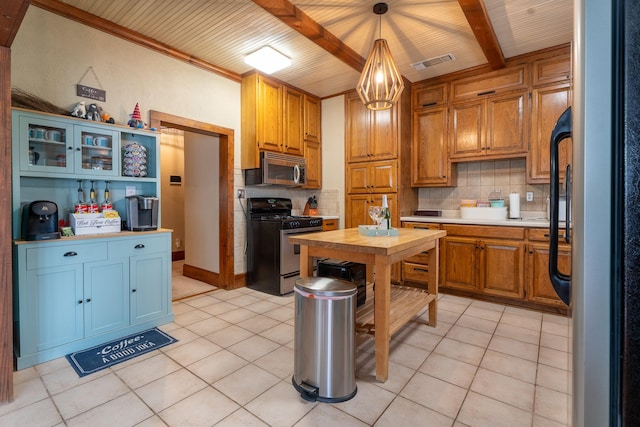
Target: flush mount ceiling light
380,83
267,59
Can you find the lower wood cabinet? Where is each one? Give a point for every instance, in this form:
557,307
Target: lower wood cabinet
329,224
74,294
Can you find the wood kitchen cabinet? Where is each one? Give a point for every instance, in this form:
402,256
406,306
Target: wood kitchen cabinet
539,287
357,209
415,269
489,127
547,104
484,259
312,141
313,156
312,118
293,121
430,165
372,135
372,177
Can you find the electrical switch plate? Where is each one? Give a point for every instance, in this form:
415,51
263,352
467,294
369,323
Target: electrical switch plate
529,196
130,190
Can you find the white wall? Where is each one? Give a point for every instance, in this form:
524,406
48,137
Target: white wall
201,191
333,128
51,54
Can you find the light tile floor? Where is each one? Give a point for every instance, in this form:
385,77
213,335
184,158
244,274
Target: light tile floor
483,365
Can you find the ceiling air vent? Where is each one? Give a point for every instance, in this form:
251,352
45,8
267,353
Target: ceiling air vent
433,61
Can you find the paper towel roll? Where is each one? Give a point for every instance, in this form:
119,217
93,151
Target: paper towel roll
514,205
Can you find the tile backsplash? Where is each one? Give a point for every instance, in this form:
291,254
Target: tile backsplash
477,179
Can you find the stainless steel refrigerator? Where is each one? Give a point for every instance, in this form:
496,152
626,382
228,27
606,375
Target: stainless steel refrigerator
605,277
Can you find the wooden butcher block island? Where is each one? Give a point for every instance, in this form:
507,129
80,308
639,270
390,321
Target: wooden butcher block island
391,306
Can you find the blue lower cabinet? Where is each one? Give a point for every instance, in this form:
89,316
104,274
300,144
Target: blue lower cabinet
117,286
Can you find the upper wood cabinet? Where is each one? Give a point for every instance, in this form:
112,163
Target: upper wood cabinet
493,83
312,118
372,135
556,69
292,132
489,127
430,164
372,177
547,104
425,96
313,156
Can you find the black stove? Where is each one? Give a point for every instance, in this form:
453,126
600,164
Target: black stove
273,264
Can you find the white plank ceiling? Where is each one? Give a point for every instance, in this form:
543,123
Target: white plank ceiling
222,32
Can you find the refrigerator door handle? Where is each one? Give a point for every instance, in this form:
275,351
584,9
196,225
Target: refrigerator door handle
567,223
561,282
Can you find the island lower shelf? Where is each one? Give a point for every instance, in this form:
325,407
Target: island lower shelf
406,302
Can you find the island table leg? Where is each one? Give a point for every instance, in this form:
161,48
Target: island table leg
382,306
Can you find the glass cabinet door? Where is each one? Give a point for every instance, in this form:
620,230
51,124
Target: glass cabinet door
97,151
45,146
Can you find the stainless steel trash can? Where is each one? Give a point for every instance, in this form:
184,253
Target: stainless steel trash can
324,341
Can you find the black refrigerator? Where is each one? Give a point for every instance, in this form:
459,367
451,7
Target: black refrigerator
605,277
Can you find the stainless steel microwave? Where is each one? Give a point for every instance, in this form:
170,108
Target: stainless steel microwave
277,169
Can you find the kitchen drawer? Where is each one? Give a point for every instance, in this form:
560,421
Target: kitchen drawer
421,258
415,272
329,224
139,246
61,255
542,234
485,231
421,225
492,83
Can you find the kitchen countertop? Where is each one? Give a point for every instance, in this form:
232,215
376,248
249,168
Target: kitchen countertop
533,219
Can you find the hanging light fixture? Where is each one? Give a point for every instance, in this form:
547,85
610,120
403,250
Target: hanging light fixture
380,83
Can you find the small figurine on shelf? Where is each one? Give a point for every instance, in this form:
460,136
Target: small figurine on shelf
106,117
94,112
136,118
79,110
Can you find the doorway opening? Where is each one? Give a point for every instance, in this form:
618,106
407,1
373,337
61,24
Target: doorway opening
225,279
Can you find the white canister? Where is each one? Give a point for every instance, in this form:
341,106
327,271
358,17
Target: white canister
514,205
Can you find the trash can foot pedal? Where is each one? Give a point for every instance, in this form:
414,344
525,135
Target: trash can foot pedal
307,391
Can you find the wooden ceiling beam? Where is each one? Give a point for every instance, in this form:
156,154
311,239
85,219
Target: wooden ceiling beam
302,23
79,15
480,23
11,14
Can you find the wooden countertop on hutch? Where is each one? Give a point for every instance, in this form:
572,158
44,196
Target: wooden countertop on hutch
96,236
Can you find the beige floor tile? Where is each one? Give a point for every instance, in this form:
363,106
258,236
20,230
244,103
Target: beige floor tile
154,421
483,313
451,306
487,305
25,375
253,348
504,389
518,333
39,414
243,300
209,326
450,370
326,415
225,295
555,342
416,337
144,372
555,318
555,358
282,313
522,321
52,365
368,403
523,312
407,355
165,391
515,367
448,316
279,362
458,350
481,411
89,395
25,394
435,394
203,408
262,306
201,300
476,323
453,298
403,412
399,375
555,328
236,315
539,421
245,384
217,366
183,335
281,405
181,308
258,323
551,404
218,308
514,348
192,351
469,336
243,418
553,378
230,335
126,410
281,333
441,328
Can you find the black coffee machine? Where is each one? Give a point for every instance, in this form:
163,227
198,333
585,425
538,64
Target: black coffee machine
40,221
142,213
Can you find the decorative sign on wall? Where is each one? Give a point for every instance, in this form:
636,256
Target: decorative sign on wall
91,92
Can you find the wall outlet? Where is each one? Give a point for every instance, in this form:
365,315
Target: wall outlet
529,196
178,243
240,193
130,190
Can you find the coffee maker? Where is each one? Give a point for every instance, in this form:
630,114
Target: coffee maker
40,220
142,213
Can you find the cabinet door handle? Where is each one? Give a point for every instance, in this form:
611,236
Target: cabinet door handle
133,290
79,301
70,253
423,270
429,104
88,300
78,149
489,92
69,148
139,246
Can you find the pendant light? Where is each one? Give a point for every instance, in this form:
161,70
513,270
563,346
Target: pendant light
380,83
